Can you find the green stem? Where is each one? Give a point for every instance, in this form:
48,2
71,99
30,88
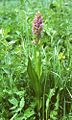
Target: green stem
44,99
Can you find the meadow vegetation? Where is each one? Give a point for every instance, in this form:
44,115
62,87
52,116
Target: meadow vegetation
35,71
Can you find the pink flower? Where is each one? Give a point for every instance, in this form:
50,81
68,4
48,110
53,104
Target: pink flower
37,27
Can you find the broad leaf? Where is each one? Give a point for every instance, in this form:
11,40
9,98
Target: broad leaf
34,79
13,101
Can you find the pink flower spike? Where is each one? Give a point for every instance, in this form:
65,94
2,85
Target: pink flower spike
37,27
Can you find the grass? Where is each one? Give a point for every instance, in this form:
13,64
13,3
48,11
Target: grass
35,80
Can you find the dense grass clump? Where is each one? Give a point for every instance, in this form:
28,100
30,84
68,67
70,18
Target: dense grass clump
35,60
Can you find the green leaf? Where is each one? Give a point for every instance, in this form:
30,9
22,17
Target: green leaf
28,113
51,93
22,103
38,63
20,93
34,79
13,101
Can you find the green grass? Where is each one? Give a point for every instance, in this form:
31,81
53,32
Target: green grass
35,80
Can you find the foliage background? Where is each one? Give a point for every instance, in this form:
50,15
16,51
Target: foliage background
16,93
